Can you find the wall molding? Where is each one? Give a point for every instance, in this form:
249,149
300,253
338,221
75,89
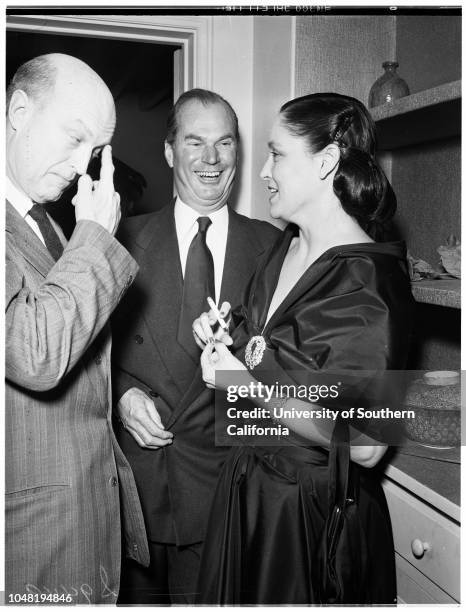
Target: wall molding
193,34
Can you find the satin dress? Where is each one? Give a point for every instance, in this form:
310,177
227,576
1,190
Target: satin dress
352,310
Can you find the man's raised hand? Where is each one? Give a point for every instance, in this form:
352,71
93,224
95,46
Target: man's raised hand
98,201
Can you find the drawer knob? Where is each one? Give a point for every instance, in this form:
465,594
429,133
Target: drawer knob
419,547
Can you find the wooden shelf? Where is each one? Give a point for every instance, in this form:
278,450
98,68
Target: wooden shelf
422,99
425,116
438,292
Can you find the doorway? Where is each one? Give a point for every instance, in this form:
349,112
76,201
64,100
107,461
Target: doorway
141,78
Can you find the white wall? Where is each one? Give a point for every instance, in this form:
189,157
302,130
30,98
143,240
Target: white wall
253,68
232,77
274,59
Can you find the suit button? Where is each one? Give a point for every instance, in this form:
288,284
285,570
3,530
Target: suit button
98,359
153,393
114,481
139,339
135,548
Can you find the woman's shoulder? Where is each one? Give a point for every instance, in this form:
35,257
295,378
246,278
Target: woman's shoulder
378,267
377,251
367,271
373,259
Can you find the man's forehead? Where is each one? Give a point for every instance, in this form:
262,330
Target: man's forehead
84,101
87,120
196,114
78,91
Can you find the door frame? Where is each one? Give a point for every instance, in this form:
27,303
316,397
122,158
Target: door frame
192,34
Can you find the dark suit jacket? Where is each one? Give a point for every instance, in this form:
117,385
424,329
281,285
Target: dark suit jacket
65,475
175,483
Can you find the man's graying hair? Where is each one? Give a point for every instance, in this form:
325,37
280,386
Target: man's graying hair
205,97
35,77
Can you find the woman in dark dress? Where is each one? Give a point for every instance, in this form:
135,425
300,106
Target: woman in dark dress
328,299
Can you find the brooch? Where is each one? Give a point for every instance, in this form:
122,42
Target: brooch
254,351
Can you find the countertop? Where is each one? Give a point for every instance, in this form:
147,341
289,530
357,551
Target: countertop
431,474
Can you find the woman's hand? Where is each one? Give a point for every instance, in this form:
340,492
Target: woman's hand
216,358
206,328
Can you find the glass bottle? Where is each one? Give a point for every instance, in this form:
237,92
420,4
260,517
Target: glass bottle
389,87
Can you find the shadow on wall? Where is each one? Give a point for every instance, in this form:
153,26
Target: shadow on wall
129,183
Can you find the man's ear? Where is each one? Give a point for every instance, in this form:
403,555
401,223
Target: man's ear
330,159
169,154
19,109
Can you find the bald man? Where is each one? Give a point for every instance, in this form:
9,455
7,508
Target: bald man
65,474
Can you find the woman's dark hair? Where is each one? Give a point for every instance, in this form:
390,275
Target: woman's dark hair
359,183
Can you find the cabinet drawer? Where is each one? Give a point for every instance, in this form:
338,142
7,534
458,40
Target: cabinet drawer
414,588
415,524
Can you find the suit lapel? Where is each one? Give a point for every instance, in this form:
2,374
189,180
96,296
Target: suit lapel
160,275
241,255
29,244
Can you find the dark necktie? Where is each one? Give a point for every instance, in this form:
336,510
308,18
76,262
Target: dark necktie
198,284
51,239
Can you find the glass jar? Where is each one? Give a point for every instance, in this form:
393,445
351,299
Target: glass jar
436,401
389,87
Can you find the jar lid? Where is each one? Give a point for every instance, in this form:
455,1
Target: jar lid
442,377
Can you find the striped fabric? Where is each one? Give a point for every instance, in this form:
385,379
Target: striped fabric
65,474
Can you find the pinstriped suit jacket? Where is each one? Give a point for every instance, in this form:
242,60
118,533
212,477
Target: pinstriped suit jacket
65,474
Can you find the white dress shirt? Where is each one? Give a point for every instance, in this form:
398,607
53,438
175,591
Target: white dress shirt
23,204
216,238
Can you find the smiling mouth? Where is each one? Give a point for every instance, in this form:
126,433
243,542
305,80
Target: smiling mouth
208,177
272,190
